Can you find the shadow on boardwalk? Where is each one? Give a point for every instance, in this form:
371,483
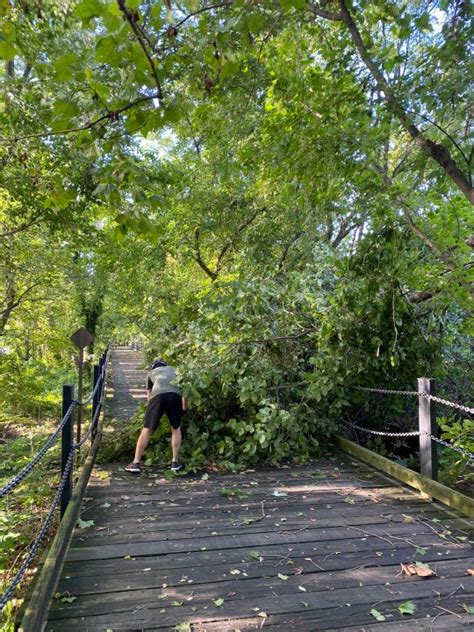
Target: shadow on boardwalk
308,548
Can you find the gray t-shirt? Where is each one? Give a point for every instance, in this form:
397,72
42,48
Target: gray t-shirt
163,379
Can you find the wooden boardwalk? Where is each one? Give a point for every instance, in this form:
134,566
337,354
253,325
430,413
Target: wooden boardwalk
307,548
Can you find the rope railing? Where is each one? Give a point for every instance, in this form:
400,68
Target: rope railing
69,448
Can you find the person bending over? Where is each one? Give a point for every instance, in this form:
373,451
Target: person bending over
164,396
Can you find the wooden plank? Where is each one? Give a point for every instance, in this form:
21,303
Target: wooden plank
448,496
416,533
223,493
394,498
228,525
279,523
319,579
446,623
129,613
329,555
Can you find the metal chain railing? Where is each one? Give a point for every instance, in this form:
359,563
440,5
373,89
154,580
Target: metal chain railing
84,402
385,391
66,472
92,425
434,398
382,433
465,453
412,433
7,595
22,474
446,402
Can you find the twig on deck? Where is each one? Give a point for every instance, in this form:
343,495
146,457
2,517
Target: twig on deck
460,587
426,523
284,558
450,611
374,535
410,542
312,562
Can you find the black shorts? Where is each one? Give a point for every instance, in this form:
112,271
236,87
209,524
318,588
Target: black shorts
169,403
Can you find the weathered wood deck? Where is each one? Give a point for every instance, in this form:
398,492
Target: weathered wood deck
307,548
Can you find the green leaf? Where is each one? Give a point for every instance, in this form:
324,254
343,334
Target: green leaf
7,51
282,577
228,69
377,615
255,555
88,9
218,602
182,627
106,51
65,109
299,4
468,609
63,66
84,524
407,607
421,551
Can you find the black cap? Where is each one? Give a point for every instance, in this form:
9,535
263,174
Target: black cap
156,363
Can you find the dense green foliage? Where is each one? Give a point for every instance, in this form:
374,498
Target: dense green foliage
274,196
203,176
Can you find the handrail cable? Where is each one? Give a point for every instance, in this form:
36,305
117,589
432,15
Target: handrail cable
415,433
412,433
62,482
23,473
7,595
433,398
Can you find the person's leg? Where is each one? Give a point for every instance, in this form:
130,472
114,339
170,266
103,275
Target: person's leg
174,410
153,414
142,444
175,443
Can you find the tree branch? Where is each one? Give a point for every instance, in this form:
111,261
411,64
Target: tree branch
322,13
130,19
110,116
199,260
208,8
232,242
433,150
286,250
433,246
20,228
260,341
442,130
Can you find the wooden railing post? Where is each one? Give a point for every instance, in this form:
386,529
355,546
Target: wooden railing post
427,424
96,398
66,446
